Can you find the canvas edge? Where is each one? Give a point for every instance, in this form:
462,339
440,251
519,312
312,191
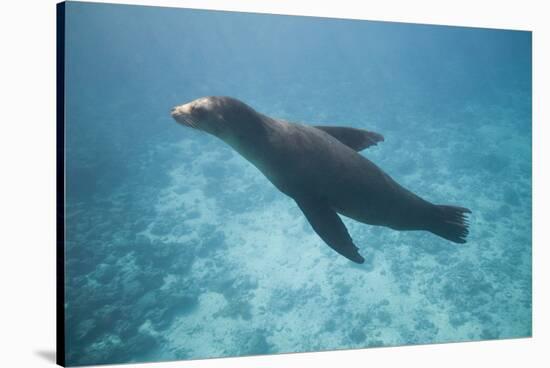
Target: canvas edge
60,183
282,13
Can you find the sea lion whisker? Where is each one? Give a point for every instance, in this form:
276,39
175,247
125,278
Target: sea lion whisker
190,122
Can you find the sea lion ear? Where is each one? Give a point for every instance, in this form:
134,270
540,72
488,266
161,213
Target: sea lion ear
357,139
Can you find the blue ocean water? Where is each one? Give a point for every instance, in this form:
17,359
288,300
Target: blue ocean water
178,248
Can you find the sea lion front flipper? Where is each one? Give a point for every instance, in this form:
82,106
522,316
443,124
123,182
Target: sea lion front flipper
329,226
357,139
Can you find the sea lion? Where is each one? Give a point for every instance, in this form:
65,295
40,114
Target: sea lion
319,167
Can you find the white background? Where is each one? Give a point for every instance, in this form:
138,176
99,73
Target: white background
27,181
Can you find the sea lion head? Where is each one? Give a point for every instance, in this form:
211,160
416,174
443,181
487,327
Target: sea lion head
225,117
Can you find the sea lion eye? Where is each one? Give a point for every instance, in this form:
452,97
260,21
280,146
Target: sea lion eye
197,110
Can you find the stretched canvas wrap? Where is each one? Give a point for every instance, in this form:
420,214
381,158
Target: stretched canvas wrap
235,184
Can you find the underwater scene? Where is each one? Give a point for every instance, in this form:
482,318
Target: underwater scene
177,247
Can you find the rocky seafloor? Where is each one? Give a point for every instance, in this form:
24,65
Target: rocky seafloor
197,255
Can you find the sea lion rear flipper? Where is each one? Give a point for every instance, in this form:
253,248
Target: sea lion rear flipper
329,226
357,139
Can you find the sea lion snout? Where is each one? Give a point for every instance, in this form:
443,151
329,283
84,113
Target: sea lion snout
180,110
183,114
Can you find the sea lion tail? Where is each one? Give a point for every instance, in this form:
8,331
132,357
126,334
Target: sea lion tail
451,223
